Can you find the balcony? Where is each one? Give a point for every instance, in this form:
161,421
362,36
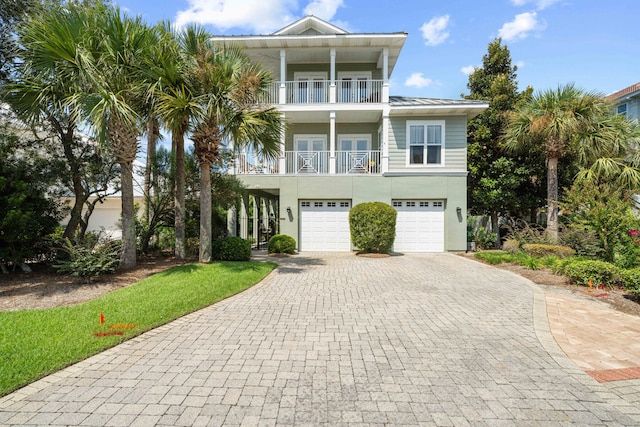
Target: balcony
312,162
322,92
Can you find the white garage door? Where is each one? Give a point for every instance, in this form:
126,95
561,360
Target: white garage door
419,226
324,225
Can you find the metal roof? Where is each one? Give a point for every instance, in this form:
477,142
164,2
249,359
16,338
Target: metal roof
404,105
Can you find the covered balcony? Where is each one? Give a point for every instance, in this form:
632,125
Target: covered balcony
311,162
364,91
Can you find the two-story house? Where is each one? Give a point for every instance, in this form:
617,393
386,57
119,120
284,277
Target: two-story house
348,141
627,101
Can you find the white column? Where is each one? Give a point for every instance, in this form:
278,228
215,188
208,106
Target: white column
282,161
232,220
385,141
332,142
244,217
332,76
256,218
385,75
282,95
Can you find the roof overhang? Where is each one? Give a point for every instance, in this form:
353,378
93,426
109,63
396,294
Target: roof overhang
454,109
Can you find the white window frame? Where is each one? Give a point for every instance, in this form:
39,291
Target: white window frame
353,76
622,109
443,144
354,137
310,137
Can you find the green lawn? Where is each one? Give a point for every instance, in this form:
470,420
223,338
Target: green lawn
34,343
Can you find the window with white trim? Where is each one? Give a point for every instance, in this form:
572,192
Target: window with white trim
622,109
425,141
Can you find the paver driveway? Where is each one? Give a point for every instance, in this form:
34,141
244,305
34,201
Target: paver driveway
337,339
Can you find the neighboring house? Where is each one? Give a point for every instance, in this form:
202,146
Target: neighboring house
626,101
347,142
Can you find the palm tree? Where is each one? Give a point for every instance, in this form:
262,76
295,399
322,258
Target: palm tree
122,44
231,89
569,120
47,77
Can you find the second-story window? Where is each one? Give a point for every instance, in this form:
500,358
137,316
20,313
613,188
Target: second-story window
425,143
622,109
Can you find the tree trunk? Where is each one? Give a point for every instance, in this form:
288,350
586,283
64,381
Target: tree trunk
552,198
205,212
178,144
495,228
128,256
153,134
75,216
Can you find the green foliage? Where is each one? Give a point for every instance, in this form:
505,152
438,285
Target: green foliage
581,272
494,257
631,279
232,249
531,262
607,212
282,244
542,250
511,246
27,216
584,242
373,227
525,233
485,239
90,258
44,341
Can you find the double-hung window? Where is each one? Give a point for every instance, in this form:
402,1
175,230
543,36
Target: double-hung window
425,143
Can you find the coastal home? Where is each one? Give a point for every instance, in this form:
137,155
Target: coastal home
626,101
348,141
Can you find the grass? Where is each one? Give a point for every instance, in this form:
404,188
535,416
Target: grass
35,343
528,261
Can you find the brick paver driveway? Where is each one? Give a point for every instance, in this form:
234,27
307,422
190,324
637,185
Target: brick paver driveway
336,339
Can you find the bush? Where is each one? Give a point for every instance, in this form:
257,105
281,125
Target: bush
527,233
90,259
511,246
585,243
581,272
373,227
232,249
485,239
542,250
282,244
631,279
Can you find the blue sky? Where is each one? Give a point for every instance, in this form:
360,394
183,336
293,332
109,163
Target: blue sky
591,43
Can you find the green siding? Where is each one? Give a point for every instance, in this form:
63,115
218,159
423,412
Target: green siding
455,144
323,129
376,73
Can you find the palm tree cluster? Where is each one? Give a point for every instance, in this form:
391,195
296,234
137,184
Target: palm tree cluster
90,65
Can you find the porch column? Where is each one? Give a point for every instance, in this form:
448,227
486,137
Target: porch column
232,221
385,75
282,95
332,142
282,160
332,77
256,219
385,141
244,216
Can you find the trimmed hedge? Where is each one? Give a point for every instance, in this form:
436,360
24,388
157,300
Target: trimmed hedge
631,279
581,272
232,249
282,244
373,227
542,250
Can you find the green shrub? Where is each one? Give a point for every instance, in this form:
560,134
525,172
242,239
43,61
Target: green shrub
232,249
585,243
581,272
527,233
90,259
542,250
282,244
373,227
631,279
485,239
494,257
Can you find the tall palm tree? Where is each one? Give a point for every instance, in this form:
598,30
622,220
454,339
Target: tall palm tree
568,120
122,44
232,89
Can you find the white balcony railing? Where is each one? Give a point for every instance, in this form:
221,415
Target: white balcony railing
319,92
312,162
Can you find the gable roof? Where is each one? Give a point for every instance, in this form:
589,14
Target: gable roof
626,92
309,25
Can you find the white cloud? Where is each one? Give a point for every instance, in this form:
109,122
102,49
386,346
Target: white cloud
257,15
520,27
435,31
520,64
468,69
540,4
323,9
418,80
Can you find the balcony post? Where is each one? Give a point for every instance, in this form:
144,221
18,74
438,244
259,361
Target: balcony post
385,141
332,77
282,95
332,142
385,75
282,160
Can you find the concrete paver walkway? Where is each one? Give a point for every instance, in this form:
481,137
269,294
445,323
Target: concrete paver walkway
331,339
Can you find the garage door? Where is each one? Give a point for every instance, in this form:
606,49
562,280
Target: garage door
324,225
419,226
